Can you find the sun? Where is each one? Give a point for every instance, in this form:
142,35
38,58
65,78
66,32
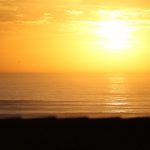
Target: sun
114,36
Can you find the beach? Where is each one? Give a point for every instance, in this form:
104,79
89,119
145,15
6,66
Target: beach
81,133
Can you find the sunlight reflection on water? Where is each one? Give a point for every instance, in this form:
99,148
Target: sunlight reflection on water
74,94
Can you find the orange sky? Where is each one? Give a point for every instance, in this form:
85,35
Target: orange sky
74,35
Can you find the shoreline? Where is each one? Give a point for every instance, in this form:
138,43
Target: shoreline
89,115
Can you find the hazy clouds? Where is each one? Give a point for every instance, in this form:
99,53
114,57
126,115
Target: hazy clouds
64,10
39,12
53,33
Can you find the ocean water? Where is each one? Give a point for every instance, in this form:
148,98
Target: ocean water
74,94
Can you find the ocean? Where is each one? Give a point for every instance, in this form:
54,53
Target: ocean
74,95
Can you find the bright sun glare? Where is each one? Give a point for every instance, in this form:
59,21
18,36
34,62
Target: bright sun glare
115,35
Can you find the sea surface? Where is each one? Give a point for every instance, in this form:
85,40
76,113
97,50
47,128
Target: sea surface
74,94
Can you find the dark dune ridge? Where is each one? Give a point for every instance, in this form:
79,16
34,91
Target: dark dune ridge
72,134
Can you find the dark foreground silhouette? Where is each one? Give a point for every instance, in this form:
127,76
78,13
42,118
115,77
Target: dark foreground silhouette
74,134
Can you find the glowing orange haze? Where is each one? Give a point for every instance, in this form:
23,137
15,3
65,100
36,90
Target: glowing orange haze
76,35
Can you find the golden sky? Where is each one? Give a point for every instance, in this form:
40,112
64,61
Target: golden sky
74,35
